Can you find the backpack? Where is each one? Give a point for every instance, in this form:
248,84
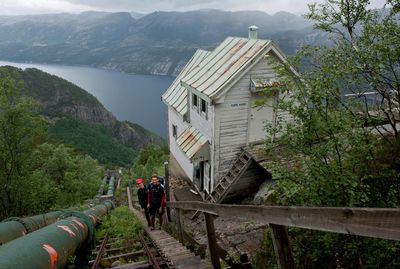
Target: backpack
161,180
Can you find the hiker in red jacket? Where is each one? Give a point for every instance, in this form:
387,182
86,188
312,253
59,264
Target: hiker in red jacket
155,200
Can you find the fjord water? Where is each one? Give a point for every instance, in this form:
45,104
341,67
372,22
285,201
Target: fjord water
136,98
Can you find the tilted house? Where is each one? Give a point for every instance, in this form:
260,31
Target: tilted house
212,121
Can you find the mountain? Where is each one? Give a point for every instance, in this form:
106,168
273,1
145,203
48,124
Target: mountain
156,43
77,118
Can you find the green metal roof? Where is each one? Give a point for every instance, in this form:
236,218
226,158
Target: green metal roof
176,94
223,65
191,141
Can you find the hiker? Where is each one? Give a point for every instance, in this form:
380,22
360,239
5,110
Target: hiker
142,194
155,200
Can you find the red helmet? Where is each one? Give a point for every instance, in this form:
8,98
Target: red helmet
139,180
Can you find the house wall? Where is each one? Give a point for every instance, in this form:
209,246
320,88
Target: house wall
200,121
261,116
232,126
205,124
184,163
237,123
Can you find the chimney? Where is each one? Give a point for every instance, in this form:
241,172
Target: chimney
253,32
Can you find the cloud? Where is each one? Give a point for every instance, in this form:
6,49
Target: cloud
270,6
146,6
17,7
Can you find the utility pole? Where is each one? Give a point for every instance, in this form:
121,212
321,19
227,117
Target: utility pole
167,189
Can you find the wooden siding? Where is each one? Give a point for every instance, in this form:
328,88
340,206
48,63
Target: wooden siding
261,116
233,129
184,163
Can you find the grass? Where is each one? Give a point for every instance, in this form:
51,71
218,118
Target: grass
120,222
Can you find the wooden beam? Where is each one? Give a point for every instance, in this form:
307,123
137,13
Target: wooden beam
179,225
128,191
283,251
372,222
212,241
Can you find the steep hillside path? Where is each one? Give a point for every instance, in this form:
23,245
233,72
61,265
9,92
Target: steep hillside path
178,256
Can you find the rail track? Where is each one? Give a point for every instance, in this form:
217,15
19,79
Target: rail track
128,253
174,254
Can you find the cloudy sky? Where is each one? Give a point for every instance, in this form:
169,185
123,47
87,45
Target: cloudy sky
17,7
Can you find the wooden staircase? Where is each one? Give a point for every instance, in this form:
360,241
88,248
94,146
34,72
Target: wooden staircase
231,177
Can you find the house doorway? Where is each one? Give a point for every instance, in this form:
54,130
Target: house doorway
201,176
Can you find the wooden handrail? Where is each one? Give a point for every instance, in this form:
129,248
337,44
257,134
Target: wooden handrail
372,222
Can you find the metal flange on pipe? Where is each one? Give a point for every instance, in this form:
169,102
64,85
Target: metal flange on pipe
51,246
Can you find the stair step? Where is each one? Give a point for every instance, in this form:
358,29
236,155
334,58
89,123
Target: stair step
243,160
220,188
229,180
236,169
225,184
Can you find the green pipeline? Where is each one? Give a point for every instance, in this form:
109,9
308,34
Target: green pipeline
51,246
111,186
16,227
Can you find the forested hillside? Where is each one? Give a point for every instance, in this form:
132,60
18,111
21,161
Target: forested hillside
77,118
35,174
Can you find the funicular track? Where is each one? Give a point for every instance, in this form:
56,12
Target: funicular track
174,254
138,252
114,249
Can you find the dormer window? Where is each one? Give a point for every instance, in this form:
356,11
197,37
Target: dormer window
203,106
199,105
194,100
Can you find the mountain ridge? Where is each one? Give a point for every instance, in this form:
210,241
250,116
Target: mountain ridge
156,43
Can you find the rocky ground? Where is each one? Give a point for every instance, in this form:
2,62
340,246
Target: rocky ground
239,236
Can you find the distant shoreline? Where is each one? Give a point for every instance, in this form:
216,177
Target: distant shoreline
78,65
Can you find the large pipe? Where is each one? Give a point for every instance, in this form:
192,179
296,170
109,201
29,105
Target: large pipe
111,186
16,227
103,184
51,246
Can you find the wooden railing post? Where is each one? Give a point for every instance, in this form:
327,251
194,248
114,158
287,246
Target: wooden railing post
166,171
283,251
179,225
212,241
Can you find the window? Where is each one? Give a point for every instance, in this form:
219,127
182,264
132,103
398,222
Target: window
203,106
194,100
174,131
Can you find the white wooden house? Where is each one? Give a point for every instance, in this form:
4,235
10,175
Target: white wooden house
212,119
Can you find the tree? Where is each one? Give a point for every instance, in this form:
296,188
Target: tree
36,176
341,148
337,144
20,131
149,161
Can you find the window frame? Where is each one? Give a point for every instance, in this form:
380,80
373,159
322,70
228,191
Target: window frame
195,100
174,131
205,111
